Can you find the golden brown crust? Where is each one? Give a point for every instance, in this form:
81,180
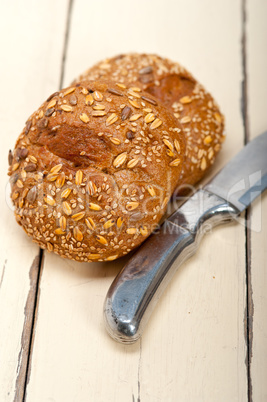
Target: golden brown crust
94,168
178,90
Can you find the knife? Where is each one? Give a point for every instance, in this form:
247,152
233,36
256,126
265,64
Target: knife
135,291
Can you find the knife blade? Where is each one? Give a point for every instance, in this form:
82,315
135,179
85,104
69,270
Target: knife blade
135,291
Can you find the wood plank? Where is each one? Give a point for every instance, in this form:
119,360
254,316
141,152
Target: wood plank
257,102
194,346
30,60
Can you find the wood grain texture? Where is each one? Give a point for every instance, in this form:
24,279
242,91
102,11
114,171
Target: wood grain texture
194,347
30,70
257,123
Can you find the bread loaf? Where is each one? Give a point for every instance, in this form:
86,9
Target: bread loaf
94,168
178,90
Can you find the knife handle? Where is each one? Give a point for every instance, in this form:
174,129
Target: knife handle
135,291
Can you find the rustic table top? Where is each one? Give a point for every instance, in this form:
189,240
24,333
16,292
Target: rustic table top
207,339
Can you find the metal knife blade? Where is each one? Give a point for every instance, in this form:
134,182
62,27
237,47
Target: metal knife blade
137,288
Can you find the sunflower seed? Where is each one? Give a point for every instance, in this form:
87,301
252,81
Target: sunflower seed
73,100
152,101
114,92
126,112
42,123
49,112
129,135
146,70
28,126
31,167
22,153
52,96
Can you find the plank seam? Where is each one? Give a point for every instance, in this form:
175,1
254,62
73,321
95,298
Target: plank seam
66,42
248,320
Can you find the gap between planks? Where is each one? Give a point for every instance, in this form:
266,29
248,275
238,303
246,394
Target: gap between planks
249,310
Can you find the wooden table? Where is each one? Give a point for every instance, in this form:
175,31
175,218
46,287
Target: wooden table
207,339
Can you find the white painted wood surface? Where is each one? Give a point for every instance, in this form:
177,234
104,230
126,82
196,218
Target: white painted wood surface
195,346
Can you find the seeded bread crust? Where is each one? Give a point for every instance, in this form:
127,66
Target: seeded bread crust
177,89
94,168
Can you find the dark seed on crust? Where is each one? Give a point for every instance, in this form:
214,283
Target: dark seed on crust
10,157
22,153
145,98
28,126
31,196
146,79
114,92
42,123
14,178
52,96
49,112
126,112
31,167
73,100
146,70
129,135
